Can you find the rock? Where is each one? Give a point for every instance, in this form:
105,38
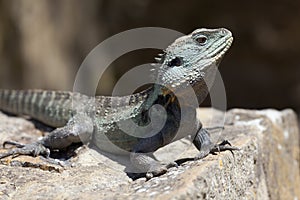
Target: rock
266,167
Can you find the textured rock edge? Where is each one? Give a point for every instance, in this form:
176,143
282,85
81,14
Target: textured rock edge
267,167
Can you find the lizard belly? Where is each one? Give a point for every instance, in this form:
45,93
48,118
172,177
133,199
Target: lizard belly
111,139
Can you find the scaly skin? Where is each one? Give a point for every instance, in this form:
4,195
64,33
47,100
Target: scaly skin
188,62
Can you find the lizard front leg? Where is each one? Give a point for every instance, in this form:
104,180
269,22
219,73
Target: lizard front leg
205,146
143,160
79,128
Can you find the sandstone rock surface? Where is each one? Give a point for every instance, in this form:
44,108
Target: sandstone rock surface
266,167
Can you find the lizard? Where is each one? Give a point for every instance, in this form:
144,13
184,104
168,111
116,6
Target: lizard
185,63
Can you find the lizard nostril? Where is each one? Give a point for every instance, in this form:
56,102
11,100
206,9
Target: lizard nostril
224,31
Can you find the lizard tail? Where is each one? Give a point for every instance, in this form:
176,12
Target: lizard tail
39,104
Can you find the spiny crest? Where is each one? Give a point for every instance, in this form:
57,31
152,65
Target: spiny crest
160,58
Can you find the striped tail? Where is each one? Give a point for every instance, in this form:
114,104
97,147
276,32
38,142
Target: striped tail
53,108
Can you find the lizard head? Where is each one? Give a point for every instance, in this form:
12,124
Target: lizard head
190,58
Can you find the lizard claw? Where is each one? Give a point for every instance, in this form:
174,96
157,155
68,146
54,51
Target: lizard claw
19,145
223,146
33,149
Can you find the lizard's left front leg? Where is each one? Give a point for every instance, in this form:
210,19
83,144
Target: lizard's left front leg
79,128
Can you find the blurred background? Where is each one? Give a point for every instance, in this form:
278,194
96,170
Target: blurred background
42,43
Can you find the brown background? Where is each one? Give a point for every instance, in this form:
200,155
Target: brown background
43,42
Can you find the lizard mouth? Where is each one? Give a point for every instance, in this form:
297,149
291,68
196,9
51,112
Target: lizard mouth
223,49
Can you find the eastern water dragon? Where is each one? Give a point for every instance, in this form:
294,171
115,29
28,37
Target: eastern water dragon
189,62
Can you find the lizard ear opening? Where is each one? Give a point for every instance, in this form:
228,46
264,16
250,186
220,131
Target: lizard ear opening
175,62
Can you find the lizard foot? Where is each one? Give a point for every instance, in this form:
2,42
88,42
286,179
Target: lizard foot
33,149
159,169
223,146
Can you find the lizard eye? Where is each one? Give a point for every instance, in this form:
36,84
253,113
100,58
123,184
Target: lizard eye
175,62
202,39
